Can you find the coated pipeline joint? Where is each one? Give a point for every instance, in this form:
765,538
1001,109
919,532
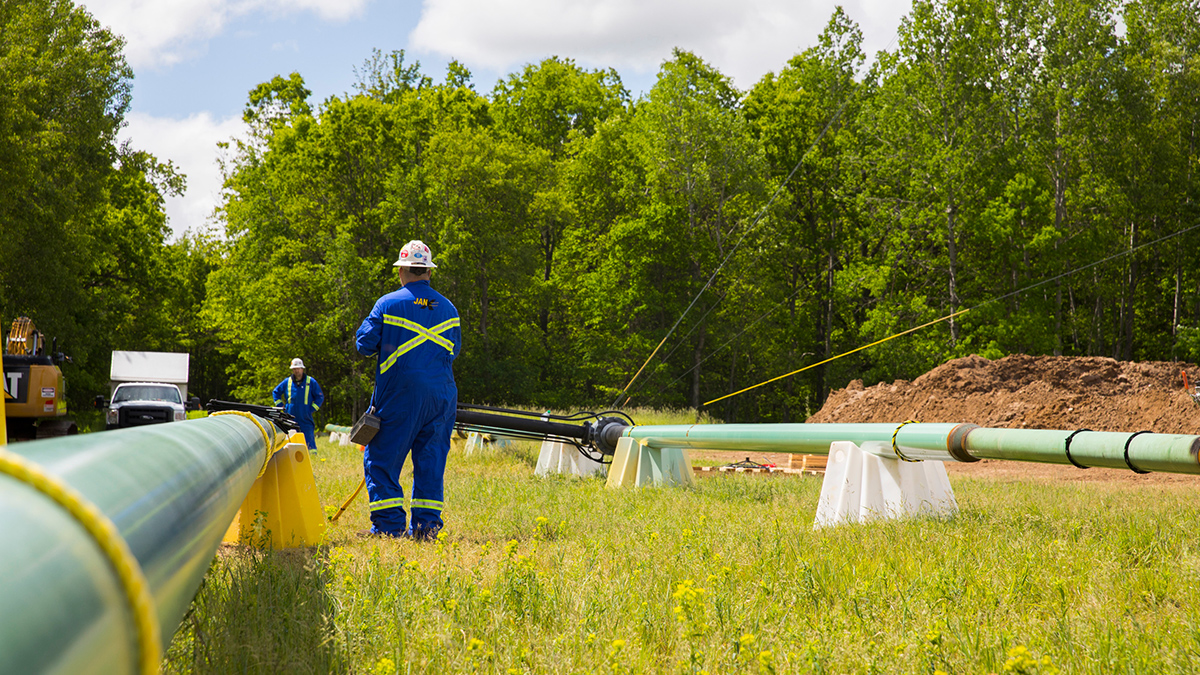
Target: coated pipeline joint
956,443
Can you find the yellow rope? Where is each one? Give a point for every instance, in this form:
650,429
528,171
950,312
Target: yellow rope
273,443
896,448
644,364
346,504
112,545
834,358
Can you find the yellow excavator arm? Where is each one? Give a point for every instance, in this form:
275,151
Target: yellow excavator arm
23,338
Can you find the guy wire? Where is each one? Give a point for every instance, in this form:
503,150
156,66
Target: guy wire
757,219
964,311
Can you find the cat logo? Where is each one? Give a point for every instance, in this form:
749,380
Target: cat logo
425,302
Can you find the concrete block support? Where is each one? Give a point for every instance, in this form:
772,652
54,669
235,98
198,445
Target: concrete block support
637,465
564,458
861,485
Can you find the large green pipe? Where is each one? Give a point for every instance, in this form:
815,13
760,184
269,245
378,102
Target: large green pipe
171,490
337,428
1173,453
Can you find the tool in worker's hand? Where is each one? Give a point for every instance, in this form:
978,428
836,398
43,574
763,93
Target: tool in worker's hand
365,428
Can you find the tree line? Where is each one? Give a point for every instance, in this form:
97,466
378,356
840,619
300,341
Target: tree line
984,163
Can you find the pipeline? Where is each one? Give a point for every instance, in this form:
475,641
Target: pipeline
1141,451
167,491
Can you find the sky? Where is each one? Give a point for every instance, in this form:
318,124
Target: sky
194,61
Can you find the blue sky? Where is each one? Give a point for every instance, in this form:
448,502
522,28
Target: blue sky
195,60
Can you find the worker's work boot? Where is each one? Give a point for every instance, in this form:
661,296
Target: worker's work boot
424,533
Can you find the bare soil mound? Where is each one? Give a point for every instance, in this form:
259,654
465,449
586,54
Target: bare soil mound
1034,392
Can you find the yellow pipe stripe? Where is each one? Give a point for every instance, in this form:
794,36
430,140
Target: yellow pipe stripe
834,358
102,530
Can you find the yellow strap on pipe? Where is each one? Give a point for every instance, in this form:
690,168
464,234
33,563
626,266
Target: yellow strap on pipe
896,448
834,358
273,443
112,545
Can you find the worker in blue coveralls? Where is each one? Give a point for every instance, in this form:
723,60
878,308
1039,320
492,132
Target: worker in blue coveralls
301,396
414,334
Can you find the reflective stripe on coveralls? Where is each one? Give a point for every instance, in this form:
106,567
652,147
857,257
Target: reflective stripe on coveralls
432,505
387,503
307,387
288,391
424,334
415,335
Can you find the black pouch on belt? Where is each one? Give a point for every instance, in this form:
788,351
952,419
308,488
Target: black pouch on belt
365,428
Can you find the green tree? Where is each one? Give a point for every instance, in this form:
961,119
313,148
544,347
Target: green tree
807,118
84,228
554,106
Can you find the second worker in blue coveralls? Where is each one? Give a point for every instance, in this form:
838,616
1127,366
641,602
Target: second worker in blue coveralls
301,396
414,334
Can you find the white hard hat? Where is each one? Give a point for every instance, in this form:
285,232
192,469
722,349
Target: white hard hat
415,254
297,363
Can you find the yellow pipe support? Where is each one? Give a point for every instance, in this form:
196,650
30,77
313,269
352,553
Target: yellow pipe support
282,509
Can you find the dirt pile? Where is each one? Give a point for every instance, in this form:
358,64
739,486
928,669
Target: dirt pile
1034,392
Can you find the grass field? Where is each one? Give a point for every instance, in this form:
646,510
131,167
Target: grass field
565,576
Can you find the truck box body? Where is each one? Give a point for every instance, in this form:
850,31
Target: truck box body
168,367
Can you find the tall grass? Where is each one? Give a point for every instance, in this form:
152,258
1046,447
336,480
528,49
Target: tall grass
562,576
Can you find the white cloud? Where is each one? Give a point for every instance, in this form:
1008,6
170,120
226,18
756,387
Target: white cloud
744,39
164,32
190,143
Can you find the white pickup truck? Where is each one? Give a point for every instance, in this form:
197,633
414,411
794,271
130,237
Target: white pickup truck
135,404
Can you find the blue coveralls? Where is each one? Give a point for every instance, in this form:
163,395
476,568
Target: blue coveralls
415,334
301,401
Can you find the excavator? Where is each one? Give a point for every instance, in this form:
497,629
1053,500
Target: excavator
35,395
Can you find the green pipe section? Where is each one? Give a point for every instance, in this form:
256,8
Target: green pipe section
916,441
337,428
171,490
1168,453
1171,453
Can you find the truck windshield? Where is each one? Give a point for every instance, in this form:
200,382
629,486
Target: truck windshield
146,392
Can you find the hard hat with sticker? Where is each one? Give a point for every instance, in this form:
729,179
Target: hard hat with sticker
415,254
